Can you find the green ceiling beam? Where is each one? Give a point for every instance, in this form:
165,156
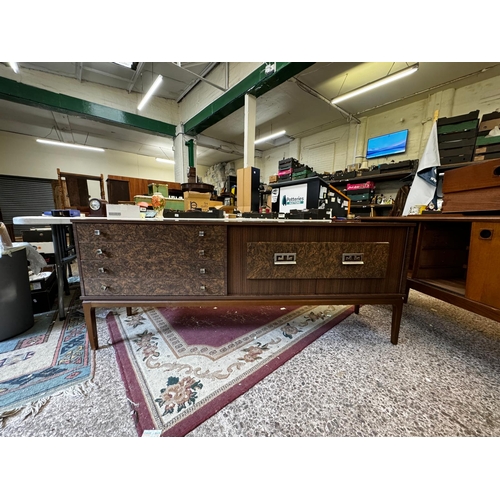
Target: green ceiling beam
256,83
11,90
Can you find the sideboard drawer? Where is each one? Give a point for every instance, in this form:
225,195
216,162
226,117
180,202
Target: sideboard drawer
149,235
316,260
160,268
153,287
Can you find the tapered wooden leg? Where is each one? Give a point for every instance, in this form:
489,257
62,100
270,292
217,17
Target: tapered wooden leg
397,312
129,311
90,321
356,309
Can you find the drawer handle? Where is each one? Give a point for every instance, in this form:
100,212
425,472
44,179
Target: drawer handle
285,259
203,270
104,287
99,252
201,253
350,259
201,234
97,232
203,287
101,270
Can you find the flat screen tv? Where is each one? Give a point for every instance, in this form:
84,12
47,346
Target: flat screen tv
388,144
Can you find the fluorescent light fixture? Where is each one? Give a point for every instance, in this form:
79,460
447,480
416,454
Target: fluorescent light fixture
68,145
272,136
15,67
125,64
164,160
376,83
149,93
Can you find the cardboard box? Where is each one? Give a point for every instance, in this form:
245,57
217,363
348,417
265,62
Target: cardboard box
194,200
273,179
247,181
123,211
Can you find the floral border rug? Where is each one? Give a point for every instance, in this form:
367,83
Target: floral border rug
181,365
52,356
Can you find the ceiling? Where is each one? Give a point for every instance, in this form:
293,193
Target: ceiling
300,105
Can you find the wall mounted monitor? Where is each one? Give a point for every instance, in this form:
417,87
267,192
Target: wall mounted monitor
388,144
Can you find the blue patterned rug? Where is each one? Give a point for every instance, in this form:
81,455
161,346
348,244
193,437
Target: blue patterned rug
50,357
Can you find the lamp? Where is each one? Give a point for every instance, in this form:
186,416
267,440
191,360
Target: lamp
14,66
272,136
164,160
68,145
376,83
149,93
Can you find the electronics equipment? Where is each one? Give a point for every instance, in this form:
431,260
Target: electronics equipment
388,144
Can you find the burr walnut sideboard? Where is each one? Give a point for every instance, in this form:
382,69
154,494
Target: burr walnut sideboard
208,262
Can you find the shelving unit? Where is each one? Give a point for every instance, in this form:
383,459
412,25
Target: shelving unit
373,209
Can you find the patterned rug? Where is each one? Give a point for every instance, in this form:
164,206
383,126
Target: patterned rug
181,365
50,357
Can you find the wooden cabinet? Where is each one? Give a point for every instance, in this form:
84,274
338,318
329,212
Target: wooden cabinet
240,262
456,258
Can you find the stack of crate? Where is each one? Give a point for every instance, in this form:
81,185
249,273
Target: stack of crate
291,169
457,137
488,147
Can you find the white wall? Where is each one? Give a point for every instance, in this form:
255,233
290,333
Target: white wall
22,156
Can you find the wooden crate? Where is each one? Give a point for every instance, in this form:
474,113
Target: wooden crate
457,137
475,188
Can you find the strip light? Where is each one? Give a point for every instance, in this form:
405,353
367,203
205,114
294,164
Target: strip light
149,93
272,136
163,160
68,145
14,66
376,83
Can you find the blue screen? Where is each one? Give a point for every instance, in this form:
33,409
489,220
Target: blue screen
385,145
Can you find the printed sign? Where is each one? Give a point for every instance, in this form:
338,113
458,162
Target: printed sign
293,198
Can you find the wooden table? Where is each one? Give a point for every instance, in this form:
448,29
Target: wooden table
209,262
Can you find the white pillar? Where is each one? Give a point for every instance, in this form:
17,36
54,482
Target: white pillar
249,140
181,155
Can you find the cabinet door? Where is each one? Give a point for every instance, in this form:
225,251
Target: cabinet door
483,270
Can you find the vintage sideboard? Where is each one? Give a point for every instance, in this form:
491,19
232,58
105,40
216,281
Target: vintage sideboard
208,262
456,258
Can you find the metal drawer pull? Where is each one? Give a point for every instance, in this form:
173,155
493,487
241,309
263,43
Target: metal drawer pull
201,233
352,259
201,252
101,270
104,287
202,270
285,259
97,232
99,252
203,287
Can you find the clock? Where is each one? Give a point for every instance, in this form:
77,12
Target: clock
97,207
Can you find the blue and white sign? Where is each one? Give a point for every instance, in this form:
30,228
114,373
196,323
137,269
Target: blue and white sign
293,198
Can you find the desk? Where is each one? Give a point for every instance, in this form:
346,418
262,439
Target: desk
235,262
63,253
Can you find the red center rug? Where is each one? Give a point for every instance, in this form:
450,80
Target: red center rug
181,365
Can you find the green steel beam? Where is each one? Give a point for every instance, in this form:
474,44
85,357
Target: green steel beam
257,84
11,90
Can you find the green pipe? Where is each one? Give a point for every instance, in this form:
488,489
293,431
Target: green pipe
190,146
